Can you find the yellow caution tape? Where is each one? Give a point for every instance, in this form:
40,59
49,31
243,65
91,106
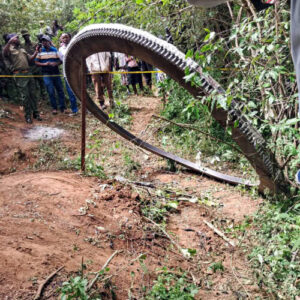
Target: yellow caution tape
114,72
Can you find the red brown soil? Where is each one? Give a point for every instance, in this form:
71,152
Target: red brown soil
50,219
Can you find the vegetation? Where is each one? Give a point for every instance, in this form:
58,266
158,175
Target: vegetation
172,286
248,53
275,257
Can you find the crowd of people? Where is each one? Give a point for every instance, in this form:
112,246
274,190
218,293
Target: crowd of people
36,72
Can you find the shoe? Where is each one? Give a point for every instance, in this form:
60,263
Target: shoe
298,177
54,112
73,114
28,120
37,117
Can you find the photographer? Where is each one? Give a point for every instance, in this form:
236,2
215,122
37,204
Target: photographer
48,59
19,60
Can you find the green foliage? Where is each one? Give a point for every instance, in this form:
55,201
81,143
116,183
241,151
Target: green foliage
16,15
121,114
79,287
254,64
182,108
75,288
276,259
169,286
93,160
51,155
94,157
217,266
130,163
155,211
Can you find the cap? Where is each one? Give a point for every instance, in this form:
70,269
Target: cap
25,32
45,37
42,22
11,35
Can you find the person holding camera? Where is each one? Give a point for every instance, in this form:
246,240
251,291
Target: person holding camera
48,59
19,60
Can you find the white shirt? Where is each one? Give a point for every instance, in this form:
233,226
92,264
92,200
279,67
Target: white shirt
99,62
62,51
122,59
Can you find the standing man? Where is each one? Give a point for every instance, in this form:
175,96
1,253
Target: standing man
148,76
19,61
49,60
99,64
65,40
34,69
120,64
56,27
9,83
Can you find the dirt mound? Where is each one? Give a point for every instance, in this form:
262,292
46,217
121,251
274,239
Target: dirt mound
53,219
50,219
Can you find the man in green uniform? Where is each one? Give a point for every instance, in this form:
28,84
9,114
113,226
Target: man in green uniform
9,87
19,60
34,69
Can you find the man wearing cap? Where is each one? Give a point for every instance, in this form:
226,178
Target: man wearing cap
19,61
34,69
48,59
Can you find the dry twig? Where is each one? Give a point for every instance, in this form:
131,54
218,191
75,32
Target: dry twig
104,266
43,284
220,233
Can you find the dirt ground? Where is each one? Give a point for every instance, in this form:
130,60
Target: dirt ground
52,218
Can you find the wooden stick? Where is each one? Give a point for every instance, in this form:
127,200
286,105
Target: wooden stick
43,284
218,232
104,266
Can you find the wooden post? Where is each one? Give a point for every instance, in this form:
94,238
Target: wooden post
83,114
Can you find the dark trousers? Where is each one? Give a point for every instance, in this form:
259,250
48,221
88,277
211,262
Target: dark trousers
26,89
53,83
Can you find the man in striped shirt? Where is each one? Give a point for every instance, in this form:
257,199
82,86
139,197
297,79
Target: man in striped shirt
48,59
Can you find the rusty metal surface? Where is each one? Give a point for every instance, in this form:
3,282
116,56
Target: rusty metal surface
141,44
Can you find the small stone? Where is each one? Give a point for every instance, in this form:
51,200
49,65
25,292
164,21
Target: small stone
135,196
101,229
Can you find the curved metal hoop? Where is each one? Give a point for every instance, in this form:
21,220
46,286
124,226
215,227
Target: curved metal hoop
141,44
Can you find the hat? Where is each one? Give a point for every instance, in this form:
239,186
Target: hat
24,32
45,37
42,22
11,35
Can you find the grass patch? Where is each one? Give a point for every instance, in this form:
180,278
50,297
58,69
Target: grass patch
275,257
172,285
